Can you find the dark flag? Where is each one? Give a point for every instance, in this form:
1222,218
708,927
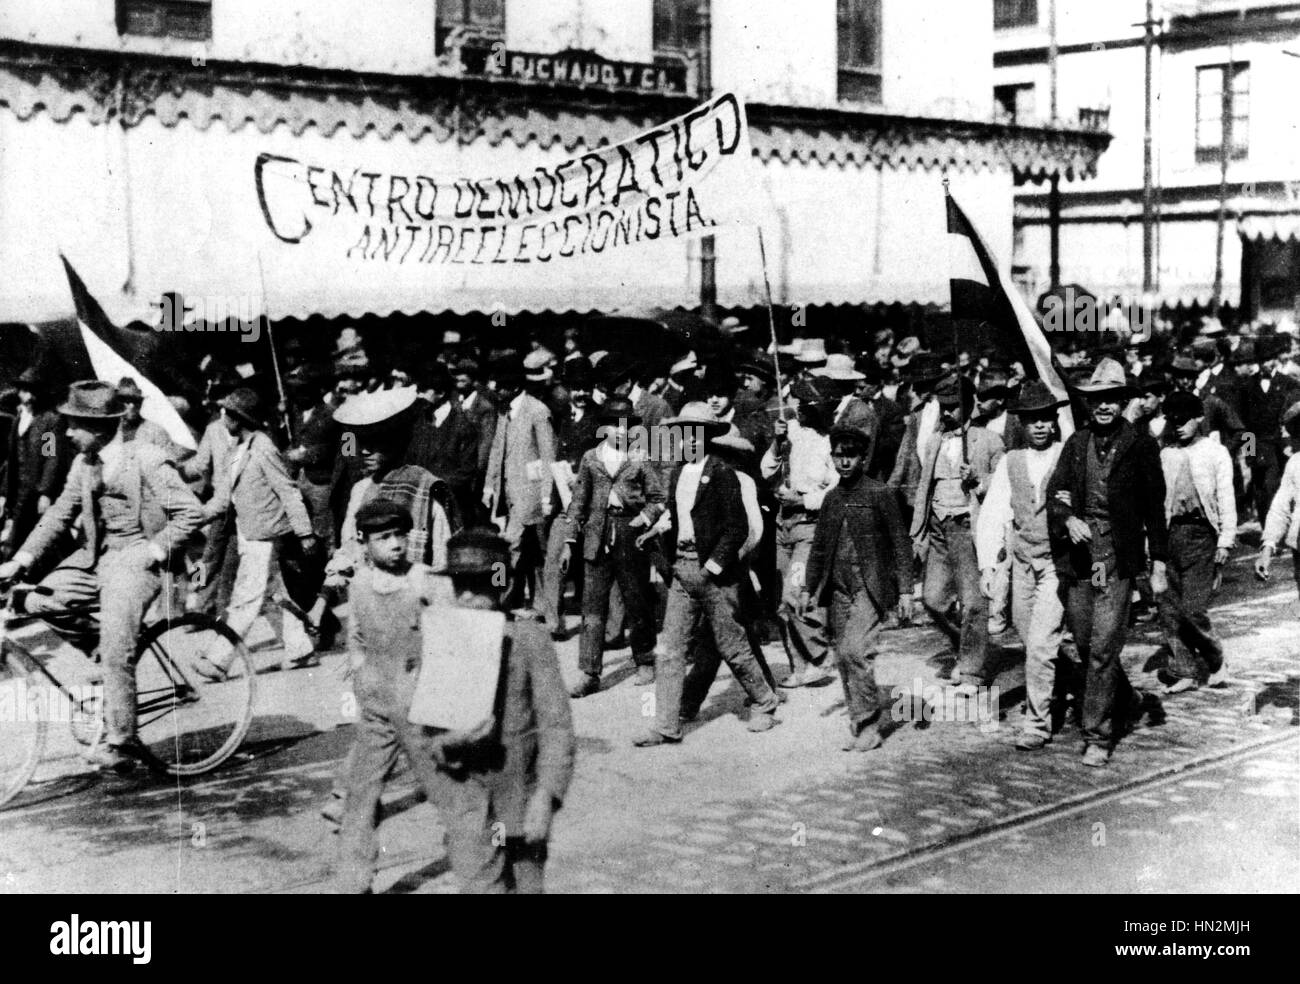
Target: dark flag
94,346
982,294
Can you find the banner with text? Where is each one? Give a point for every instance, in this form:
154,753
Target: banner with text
677,180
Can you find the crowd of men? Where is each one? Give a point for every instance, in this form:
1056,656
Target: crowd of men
693,507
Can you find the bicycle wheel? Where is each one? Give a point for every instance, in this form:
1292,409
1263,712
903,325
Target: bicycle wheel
189,724
24,723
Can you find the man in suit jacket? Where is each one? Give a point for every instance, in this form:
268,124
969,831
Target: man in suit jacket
1266,393
519,483
274,534
480,406
709,527
1105,500
37,460
444,438
957,463
133,513
618,495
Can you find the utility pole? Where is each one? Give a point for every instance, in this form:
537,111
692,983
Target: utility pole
1148,183
1226,113
708,254
1054,192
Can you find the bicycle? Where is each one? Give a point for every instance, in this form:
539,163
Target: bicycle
188,725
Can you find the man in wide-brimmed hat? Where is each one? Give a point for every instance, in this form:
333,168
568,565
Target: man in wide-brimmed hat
279,568
709,528
618,495
860,556
1105,511
134,513
1201,509
1013,522
134,427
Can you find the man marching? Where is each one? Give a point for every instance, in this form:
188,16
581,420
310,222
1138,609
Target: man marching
1201,509
1105,499
1013,522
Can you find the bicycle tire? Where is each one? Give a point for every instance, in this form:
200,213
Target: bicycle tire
179,738
22,740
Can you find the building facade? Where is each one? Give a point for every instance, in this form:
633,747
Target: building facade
1225,75
129,130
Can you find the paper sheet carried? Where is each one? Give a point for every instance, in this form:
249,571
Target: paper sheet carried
462,649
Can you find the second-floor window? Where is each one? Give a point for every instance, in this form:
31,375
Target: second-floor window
478,18
1014,13
1016,103
1222,95
189,20
859,51
676,26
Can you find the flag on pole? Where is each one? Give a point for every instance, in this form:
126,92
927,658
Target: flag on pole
112,357
981,292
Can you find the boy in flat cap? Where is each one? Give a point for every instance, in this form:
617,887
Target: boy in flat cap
387,595
497,788
1201,510
860,544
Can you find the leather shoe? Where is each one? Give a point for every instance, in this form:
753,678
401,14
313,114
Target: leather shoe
645,676
1182,685
1031,741
588,685
761,721
120,759
1096,756
652,738
866,740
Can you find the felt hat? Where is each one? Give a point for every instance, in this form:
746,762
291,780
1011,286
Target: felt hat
244,404
618,408
128,390
1108,377
1036,398
478,550
698,414
839,366
92,399
1180,407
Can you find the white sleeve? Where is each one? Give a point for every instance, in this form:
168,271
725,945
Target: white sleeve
1227,497
994,517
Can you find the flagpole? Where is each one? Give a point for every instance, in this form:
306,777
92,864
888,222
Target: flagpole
275,359
956,352
771,324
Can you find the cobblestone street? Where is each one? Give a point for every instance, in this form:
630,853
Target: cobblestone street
950,806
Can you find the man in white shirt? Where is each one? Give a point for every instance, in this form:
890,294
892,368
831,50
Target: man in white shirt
1013,523
1201,510
799,466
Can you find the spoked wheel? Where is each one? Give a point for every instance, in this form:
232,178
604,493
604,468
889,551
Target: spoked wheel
188,723
24,723
87,718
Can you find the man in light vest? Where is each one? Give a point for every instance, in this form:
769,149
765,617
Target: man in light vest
1013,524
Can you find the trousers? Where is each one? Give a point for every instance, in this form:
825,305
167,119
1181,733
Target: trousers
1194,652
952,573
692,598
1097,614
1039,620
855,639
804,636
621,563
125,584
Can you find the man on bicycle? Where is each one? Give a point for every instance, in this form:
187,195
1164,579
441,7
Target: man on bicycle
131,511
